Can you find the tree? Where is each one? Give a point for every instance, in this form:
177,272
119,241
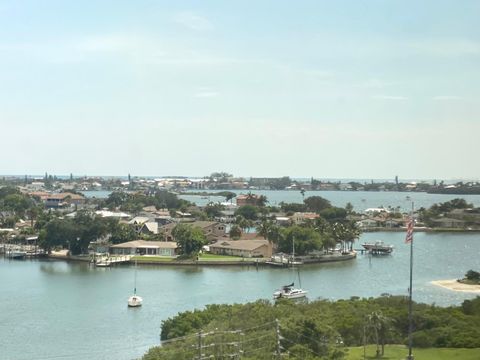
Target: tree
316,203
58,233
214,210
349,208
229,196
190,240
472,275
121,233
380,326
235,232
249,212
306,240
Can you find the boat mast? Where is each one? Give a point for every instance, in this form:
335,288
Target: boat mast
135,280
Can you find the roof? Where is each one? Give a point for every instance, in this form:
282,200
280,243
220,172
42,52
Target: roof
139,220
62,196
239,244
200,224
107,213
147,244
152,227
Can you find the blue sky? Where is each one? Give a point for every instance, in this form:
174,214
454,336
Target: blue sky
353,89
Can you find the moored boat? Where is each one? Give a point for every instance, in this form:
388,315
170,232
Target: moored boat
289,292
378,247
16,254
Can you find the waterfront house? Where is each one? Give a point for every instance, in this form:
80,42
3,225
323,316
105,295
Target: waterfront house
242,248
211,229
367,223
445,222
143,247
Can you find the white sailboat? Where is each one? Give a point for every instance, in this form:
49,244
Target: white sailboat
135,300
289,291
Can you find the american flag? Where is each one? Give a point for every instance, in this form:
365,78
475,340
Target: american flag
410,224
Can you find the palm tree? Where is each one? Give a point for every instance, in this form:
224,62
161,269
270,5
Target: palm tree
380,325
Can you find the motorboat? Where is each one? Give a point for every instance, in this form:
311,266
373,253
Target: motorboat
378,247
289,292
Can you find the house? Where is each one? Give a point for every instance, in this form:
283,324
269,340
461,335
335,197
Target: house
211,229
143,247
242,248
367,223
150,228
249,199
63,199
301,217
448,223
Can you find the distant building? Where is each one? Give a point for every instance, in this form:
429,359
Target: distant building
242,248
249,199
63,200
143,247
301,217
211,229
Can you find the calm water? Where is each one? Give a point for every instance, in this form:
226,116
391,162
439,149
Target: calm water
59,310
360,200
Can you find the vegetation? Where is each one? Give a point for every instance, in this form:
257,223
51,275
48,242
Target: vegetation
190,239
471,277
134,202
399,352
322,329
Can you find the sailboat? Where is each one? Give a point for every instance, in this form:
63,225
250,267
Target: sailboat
135,300
289,291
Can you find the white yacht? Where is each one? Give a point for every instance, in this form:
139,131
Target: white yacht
289,292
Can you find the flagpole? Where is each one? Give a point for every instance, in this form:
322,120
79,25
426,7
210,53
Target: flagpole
410,290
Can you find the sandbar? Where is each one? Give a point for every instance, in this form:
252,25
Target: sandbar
456,286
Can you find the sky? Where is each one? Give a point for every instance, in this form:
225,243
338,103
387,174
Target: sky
329,89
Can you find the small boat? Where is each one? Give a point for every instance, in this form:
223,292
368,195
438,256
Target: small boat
135,300
378,247
289,292
16,254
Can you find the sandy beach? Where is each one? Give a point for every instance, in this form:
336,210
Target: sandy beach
456,286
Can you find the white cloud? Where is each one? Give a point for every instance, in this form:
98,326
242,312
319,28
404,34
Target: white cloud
389,97
192,21
446,47
206,93
446,97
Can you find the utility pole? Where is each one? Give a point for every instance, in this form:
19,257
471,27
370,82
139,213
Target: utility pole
279,346
199,344
409,239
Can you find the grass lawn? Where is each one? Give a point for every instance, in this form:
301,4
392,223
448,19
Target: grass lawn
213,257
152,259
400,352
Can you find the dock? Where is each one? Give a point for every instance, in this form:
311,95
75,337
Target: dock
107,261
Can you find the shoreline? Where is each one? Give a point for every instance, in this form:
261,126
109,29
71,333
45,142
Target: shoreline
257,262
454,285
